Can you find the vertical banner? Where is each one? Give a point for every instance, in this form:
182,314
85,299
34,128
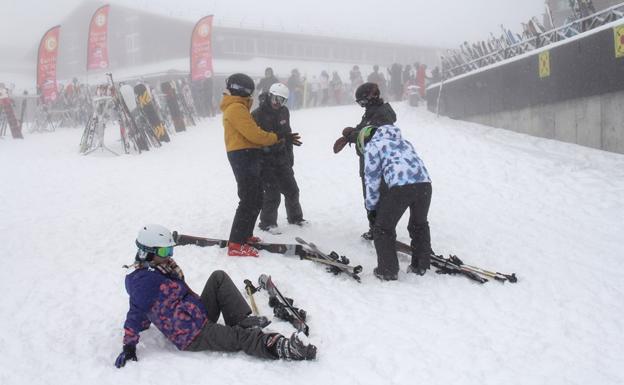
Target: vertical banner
46,65
97,46
201,49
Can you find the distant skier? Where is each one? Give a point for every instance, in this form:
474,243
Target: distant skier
378,113
278,176
378,78
267,81
244,141
160,296
391,160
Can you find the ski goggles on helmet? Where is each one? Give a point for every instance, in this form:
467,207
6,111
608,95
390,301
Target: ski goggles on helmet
163,252
276,99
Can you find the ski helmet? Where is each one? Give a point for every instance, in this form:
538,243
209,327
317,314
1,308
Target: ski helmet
279,94
366,94
364,136
154,239
240,85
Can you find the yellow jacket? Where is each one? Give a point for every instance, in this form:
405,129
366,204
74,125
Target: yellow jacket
240,129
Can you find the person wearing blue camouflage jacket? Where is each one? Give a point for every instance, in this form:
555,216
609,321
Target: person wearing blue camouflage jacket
391,160
159,295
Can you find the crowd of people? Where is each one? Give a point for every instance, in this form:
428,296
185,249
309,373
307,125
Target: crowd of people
259,145
498,47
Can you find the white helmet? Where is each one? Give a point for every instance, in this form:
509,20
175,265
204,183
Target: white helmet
279,89
155,239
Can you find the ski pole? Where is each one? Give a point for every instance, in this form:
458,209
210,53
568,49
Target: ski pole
250,290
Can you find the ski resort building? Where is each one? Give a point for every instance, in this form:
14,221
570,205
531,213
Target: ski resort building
141,43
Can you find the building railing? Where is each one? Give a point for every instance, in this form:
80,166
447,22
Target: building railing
460,62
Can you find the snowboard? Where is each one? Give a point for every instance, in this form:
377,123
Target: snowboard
6,103
171,98
146,104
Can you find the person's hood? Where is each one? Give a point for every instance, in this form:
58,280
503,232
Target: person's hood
228,100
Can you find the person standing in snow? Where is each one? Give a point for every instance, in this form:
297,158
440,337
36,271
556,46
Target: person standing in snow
378,113
243,142
160,296
267,81
392,160
278,176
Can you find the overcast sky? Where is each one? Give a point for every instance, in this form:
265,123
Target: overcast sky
425,22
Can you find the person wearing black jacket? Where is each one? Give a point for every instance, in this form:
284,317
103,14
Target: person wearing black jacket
277,175
267,81
376,113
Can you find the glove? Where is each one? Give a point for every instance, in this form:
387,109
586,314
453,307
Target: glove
348,131
128,353
290,137
340,144
371,215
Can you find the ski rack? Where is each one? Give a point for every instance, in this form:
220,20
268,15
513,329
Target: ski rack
459,62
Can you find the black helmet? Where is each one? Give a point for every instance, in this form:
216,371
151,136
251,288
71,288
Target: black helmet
240,85
367,94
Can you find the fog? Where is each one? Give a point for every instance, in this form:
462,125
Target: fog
443,23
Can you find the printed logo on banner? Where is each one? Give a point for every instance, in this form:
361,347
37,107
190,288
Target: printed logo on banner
100,19
544,64
618,33
50,43
204,29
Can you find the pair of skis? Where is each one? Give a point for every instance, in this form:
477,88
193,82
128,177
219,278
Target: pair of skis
334,263
282,306
455,266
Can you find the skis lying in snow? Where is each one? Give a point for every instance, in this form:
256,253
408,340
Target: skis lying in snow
335,263
283,307
454,265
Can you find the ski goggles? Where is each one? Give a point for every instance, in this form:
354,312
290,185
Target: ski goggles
163,252
362,102
276,99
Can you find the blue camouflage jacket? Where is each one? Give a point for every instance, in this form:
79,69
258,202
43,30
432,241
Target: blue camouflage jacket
392,158
165,301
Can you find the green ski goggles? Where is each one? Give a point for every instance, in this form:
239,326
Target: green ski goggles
164,252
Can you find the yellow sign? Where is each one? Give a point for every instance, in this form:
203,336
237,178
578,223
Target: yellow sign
544,64
618,34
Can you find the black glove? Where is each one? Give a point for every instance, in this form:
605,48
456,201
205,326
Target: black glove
128,353
372,215
290,137
340,144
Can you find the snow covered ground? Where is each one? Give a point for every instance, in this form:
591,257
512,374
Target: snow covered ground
551,212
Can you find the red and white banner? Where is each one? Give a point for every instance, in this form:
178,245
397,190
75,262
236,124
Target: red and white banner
97,46
46,64
201,49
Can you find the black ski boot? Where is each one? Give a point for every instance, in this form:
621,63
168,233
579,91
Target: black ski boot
420,264
385,277
368,235
252,321
290,349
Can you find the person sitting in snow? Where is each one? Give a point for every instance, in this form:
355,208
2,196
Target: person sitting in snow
377,113
160,296
392,160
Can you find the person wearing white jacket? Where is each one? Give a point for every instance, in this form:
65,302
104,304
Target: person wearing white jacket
390,159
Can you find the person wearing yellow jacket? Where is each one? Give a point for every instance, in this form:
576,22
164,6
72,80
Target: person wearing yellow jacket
244,141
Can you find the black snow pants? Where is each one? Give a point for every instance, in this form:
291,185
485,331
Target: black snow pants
220,296
279,178
247,166
392,204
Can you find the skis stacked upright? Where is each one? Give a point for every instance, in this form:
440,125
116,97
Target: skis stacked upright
335,264
453,265
6,105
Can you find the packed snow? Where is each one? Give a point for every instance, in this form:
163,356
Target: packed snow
549,211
